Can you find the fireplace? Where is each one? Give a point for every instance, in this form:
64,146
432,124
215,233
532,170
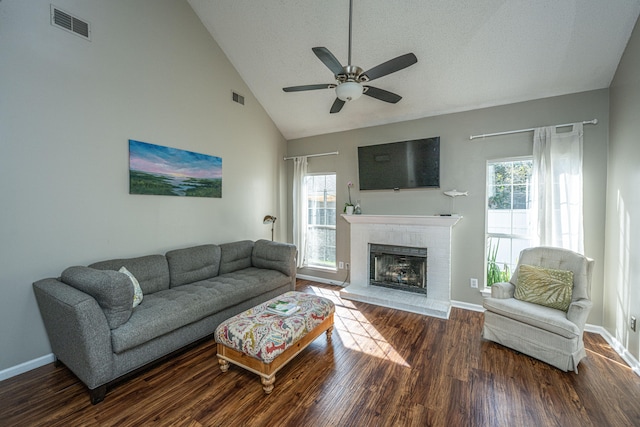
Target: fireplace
398,267
409,231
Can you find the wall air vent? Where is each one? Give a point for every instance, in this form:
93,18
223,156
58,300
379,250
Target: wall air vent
70,23
236,97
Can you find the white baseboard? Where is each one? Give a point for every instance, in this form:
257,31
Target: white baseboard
26,366
467,306
322,280
633,363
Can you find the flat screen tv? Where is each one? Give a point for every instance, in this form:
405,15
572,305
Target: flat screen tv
398,165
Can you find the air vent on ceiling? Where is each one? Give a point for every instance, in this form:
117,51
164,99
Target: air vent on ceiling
68,22
237,98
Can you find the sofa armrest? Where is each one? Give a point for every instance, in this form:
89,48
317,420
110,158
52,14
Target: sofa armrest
579,311
78,331
502,290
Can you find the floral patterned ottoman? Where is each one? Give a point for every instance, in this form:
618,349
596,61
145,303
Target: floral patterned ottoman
262,341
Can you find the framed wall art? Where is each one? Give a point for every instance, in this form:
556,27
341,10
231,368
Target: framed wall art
166,171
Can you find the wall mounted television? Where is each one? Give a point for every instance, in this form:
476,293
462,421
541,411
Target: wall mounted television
400,165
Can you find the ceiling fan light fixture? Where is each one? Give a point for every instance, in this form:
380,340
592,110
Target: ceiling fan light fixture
349,91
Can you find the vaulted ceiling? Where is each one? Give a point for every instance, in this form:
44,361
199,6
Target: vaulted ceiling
471,53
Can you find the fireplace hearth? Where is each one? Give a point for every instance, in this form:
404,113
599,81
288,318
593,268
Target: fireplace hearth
398,267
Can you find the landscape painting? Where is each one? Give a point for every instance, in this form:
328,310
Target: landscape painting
158,170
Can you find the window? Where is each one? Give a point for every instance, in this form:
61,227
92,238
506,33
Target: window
509,215
321,221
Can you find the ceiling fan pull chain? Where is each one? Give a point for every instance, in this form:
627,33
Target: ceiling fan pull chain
350,17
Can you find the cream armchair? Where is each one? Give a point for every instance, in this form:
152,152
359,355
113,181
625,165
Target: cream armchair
548,334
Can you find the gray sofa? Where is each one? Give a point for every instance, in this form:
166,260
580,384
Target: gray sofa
96,333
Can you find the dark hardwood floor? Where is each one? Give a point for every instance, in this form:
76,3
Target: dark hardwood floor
382,367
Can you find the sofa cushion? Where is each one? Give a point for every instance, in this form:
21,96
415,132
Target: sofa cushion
169,310
274,256
544,286
151,271
235,256
111,289
193,264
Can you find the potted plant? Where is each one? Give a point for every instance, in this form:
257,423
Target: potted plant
348,206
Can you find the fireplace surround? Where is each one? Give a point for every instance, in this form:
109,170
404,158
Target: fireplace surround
431,232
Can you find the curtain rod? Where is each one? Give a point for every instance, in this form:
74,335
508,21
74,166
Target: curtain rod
509,132
333,153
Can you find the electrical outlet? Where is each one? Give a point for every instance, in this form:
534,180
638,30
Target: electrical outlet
346,265
633,323
341,265
474,283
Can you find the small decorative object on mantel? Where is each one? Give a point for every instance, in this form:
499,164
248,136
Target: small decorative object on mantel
348,206
357,210
456,193
453,194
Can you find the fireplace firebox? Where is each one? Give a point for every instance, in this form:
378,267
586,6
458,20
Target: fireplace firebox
398,267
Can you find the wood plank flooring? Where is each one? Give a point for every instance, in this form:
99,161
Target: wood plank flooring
382,367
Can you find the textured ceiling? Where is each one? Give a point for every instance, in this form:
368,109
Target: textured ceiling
471,53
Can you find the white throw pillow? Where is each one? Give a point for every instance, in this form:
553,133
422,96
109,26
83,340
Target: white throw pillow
137,290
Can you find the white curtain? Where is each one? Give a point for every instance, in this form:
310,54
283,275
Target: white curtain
300,208
557,187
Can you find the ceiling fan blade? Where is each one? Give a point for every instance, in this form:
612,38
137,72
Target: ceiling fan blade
382,95
328,59
391,66
308,87
337,106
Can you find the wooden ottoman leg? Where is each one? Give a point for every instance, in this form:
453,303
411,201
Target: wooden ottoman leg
267,383
224,365
329,332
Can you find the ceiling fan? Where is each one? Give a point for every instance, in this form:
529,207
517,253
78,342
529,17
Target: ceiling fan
349,78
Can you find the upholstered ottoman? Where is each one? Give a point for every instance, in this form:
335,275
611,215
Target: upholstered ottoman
263,342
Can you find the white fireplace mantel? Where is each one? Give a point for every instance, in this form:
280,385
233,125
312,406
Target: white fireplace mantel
432,220
431,232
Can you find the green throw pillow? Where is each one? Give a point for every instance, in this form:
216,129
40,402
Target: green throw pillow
545,286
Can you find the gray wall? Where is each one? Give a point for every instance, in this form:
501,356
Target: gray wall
622,275
463,167
67,109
